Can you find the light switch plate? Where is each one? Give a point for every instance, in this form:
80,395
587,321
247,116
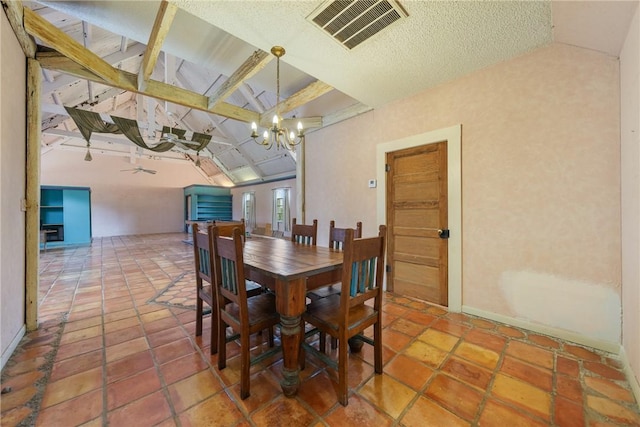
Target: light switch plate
372,183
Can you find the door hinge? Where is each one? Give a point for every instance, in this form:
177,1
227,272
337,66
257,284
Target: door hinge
387,268
387,167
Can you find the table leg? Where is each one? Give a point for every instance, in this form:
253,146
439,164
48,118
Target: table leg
290,337
290,303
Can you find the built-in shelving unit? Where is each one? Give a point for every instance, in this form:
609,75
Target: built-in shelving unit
65,215
207,203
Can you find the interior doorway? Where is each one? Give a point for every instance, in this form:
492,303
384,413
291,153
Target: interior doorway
453,137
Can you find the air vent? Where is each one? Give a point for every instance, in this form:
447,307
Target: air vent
352,22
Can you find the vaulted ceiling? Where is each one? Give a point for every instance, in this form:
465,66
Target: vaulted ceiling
205,66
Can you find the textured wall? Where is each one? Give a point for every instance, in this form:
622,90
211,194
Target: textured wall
123,203
264,199
12,188
540,183
630,138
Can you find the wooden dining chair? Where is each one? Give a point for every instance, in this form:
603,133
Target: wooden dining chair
346,315
303,233
203,258
336,241
244,315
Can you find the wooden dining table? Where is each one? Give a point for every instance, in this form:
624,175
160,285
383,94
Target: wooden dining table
290,270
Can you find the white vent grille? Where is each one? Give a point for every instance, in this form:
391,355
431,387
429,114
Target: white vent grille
352,22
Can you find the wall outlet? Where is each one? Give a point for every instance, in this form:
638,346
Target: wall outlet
372,183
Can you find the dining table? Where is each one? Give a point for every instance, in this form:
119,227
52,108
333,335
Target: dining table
290,269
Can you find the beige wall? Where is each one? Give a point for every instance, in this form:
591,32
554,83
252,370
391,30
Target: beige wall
123,203
264,197
540,184
12,190
630,139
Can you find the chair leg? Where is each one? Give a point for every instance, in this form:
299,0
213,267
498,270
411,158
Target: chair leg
322,344
377,347
245,365
334,343
222,345
198,316
271,337
343,379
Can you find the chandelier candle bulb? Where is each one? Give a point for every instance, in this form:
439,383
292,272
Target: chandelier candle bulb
254,126
275,119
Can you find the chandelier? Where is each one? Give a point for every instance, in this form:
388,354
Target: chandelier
277,134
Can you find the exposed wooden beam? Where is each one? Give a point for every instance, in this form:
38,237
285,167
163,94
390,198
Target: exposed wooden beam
15,14
155,89
48,33
86,41
164,18
305,95
345,113
256,62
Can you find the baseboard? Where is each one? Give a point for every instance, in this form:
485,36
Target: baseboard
12,347
631,376
608,346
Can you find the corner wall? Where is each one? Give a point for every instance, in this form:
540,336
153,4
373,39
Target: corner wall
12,189
630,158
540,185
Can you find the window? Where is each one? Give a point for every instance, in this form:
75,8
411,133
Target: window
249,209
280,218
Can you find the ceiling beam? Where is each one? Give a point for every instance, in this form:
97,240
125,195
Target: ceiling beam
52,36
164,19
15,14
303,96
256,62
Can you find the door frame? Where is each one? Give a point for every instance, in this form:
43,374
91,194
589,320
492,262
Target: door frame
453,136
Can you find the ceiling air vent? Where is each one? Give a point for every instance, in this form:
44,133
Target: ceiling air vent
352,22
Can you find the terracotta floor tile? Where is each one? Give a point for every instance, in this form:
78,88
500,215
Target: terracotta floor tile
425,412
608,389
486,339
183,367
283,411
74,365
426,353
127,348
467,372
455,396
121,392
604,370
359,412
194,389
409,371
522,394
440,368
568,413
149,411
531,353
534,375
389,395
218,410
72,412
439,339
613,410
478,355
129,365
497,414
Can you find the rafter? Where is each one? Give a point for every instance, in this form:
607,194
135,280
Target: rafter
256,62
303,96
164,19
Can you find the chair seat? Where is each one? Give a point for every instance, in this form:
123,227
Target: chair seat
262,310
326,312
253,289
325,291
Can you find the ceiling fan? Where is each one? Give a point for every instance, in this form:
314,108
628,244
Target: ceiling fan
139,169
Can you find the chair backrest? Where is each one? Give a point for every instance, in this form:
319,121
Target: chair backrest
202,255
362,271
304,234
338,235
229,270
225,228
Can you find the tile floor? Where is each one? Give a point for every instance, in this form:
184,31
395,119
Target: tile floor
112,351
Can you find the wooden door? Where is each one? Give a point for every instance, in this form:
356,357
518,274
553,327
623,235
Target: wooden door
417,222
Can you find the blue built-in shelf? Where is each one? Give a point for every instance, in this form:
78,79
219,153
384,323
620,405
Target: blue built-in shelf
207,203
65,215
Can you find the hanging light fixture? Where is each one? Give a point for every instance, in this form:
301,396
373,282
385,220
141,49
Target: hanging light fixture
277,134
87,157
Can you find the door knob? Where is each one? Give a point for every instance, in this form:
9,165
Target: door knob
444,234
